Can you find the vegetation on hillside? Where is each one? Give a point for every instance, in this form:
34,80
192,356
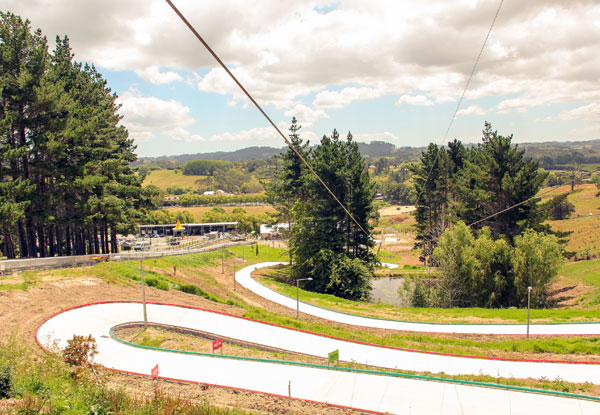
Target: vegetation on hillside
478,271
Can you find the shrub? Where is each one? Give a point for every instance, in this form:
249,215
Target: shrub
156,283
6,382
80,350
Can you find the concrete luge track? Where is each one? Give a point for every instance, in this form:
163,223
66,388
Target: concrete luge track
369,391
244,278
373,392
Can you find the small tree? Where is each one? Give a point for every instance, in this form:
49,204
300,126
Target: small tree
536,260
80,350
459,267
561,207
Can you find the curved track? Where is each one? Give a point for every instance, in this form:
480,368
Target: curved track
244,278
368,391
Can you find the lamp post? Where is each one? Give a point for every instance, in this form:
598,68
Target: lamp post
298,293
143,292
528,307
234,282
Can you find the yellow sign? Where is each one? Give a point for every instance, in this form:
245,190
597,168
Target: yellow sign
178,226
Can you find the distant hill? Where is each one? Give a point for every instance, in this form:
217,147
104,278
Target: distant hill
249,153
374,149
551,154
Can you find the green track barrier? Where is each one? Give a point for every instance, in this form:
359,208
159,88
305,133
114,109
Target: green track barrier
365,371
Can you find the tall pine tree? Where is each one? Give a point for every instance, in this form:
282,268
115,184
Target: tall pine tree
327,245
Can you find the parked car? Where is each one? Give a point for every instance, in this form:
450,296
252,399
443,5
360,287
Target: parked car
142,245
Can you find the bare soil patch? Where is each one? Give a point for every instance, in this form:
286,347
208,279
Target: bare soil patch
22,311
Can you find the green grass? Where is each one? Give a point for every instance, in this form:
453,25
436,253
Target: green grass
168,178
20,286
188,343
26,281
265,254
47,385
451,315
585,272
476,346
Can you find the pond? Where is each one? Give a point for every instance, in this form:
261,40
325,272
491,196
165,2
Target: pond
385,290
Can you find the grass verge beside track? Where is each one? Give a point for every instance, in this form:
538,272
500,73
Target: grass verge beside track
275,278
164,339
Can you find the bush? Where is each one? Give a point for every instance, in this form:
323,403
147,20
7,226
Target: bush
156,283
477,271
80,350
6,383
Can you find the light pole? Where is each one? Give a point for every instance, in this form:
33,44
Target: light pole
234,283
298,293
528,307
143,292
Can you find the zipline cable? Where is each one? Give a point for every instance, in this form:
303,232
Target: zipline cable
460,100
288,142
523,202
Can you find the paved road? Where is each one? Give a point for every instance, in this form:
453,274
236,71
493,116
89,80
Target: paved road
244,278
372,392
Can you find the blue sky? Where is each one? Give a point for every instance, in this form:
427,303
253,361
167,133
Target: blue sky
391,71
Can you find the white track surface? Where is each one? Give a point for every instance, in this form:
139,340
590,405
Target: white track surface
370,392
244,278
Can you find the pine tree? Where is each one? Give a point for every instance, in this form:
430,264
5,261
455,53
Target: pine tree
504,177
286,189
327,245
66,184
432,178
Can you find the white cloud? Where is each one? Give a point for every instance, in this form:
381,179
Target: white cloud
254,135
147,117
284,51
589,113
472,110
383,136
414,100
153,75
540,53
340,99
306,115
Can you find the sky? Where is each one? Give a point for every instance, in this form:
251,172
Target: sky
384,70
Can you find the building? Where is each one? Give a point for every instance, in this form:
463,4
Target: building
188,229
273,231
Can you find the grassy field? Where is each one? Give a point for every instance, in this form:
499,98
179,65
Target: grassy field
583,197
585,228
169,178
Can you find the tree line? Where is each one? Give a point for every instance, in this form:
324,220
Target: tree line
66,185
